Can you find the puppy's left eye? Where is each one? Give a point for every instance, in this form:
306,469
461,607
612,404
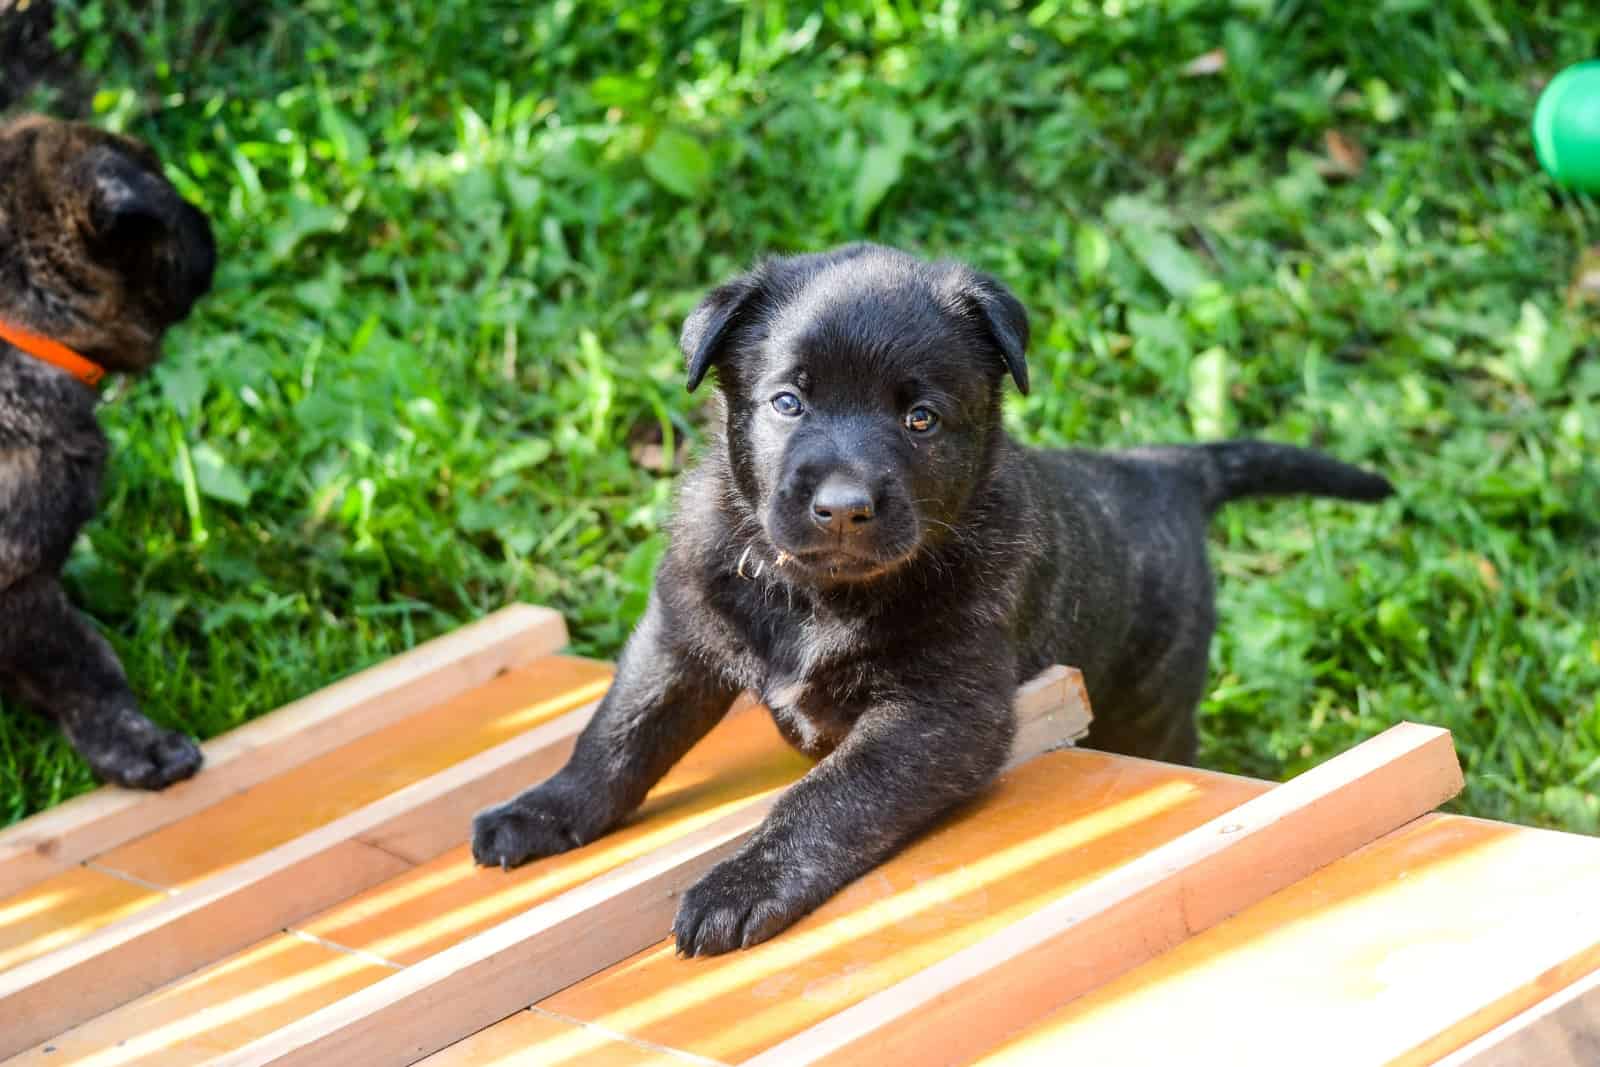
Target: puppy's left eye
787,404
921,420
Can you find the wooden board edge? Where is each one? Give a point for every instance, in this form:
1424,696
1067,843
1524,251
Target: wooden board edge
1563,1030
971,1001
84,827
236,907
500,971
1052,710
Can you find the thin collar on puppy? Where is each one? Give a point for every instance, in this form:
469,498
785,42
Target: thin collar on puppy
744,558
749,575
54,353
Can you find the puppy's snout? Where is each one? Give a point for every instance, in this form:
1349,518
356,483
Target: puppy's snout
842,505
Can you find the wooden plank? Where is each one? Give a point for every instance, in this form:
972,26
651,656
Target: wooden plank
1560,1031
1058,823
360,773
281,886
536,1038
183,854
62,909
221,1007
1056,713
88,825
1403,949
114,965
971,1001
314,794
446,900
501,971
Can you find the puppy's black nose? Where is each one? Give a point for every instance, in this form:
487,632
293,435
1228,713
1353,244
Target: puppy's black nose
842,505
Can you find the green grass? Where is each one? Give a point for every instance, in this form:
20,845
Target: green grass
459,240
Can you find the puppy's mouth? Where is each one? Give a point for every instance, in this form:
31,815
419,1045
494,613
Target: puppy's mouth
807,550
845,566
834,564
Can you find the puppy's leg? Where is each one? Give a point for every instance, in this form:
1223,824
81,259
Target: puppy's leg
660,704
55,660
1164,730
1154,716
902,766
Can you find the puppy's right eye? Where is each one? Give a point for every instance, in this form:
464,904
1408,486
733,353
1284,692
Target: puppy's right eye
787,404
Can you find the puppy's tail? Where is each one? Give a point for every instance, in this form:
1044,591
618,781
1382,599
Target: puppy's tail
1238,469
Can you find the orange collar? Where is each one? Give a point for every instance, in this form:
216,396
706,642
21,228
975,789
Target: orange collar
54,353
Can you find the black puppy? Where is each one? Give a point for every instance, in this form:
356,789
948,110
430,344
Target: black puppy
98,256
866,549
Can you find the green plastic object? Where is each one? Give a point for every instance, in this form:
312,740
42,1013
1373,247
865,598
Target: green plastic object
1566,127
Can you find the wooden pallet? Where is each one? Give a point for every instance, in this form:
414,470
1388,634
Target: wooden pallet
310,899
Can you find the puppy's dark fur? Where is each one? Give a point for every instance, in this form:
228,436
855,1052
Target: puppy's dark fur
866,549
99,253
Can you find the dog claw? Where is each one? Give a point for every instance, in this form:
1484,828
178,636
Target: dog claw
740,903
531,827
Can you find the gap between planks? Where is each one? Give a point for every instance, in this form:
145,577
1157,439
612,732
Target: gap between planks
973,1000
501,971
86,826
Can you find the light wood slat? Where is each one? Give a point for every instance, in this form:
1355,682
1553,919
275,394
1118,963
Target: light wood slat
224,1006
182,855
363,772
86,826
227,911
1562,1031
971,1001
448,899
120,962
1404,950
1056,824
504,969
442,902
536,1038
62,909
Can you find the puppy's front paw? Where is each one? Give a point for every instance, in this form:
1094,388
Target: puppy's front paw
130,750
541,822
743,901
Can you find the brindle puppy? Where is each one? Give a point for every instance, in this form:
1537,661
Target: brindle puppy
865,548
98,255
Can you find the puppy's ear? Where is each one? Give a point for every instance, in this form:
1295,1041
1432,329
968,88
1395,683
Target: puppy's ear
126,202
1005,319
706,330
139,222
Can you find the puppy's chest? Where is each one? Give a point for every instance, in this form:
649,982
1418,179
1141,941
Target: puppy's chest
817,686
814,670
